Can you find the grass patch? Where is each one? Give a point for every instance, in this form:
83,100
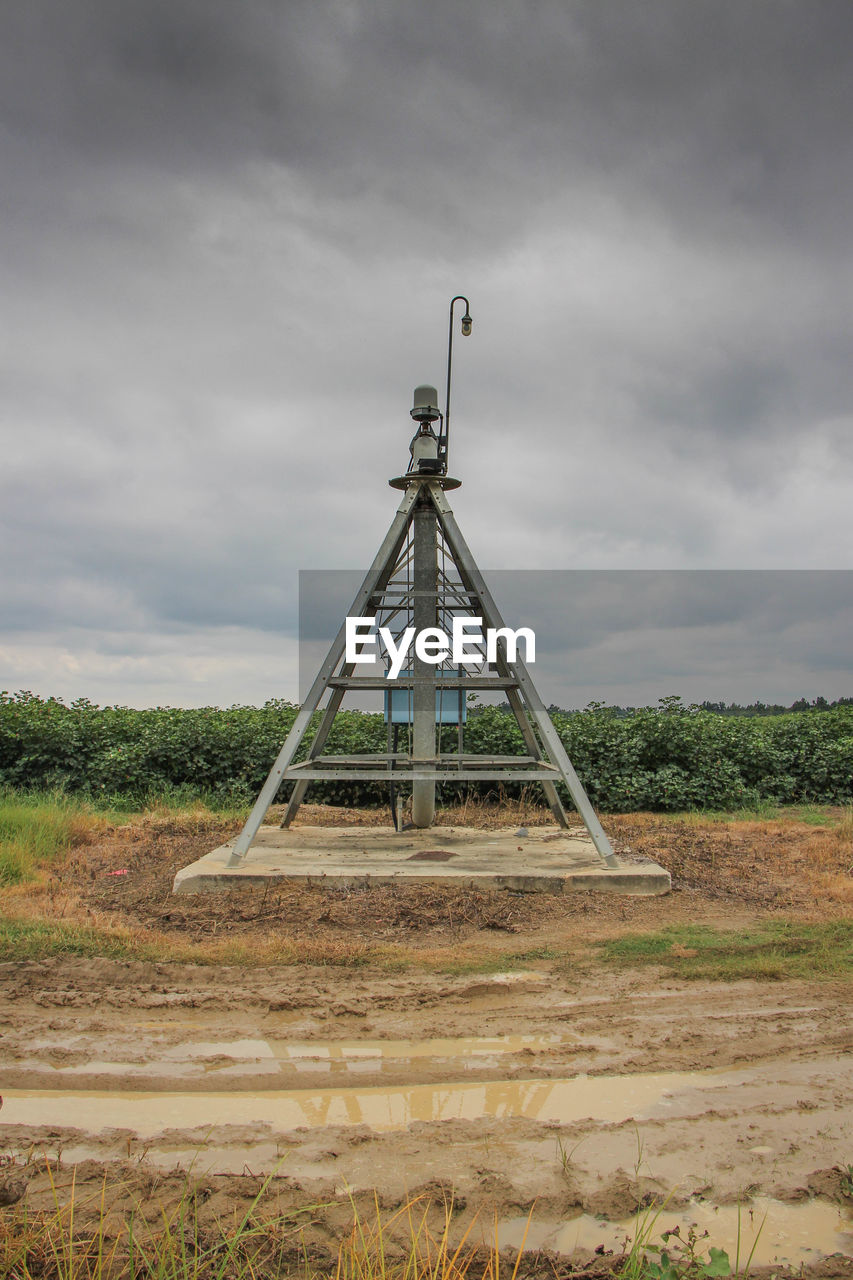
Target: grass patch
771,950
36,939
26,939
844,830
174,801
813,815
464,961
36,828
23,939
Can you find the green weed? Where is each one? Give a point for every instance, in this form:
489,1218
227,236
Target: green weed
565,1155
669,1255
759,810
815,815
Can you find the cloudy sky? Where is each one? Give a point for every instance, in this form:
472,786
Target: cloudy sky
229,236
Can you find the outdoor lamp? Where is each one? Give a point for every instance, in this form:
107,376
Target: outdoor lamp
467,324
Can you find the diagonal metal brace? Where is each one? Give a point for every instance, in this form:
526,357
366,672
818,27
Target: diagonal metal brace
386,556
474,579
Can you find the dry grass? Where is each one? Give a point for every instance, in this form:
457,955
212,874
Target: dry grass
142,1228
121,1230
28,935
125,1238
792,859
475,811
407,1245
828,859
31,937
107,891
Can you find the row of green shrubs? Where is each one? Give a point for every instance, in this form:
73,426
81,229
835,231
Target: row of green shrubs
670,757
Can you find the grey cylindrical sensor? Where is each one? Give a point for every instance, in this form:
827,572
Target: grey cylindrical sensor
425,406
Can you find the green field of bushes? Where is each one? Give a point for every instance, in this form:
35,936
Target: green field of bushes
670,758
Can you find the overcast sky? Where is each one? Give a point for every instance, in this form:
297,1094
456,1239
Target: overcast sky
230,233
631,637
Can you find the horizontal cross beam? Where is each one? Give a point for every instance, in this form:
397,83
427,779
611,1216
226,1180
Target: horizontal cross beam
457,683
402,757
310,772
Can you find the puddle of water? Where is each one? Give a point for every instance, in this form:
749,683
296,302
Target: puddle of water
385,1050
247,1049
783,1233
258,1158
268,1056
137,1069
511,976
603,1098
373,1056
174,1070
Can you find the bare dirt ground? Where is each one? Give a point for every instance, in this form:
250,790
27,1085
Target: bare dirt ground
726,872
561,1083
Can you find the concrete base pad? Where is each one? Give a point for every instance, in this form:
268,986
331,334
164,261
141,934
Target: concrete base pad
544,860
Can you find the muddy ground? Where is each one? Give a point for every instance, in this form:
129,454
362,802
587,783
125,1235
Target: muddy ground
562,1083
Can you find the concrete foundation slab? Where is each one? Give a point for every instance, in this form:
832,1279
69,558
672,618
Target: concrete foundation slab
538,860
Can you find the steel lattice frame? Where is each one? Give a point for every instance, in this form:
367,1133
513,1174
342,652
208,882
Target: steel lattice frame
389,591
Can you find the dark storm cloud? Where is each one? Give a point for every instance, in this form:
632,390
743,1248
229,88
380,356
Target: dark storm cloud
722,106
230,233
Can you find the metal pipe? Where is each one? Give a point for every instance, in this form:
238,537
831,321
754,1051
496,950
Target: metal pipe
424,613
460,297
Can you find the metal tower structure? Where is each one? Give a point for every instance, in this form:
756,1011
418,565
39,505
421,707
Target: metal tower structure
423,576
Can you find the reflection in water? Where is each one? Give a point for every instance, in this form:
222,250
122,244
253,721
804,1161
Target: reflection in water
461,1047
607,1098
258,1056
248,1050
783,1233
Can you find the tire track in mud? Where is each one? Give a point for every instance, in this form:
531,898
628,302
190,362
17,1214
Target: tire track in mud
109,1024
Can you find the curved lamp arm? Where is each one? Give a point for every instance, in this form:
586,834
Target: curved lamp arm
467,324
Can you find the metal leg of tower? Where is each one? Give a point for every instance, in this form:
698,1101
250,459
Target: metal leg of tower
382,564
550,738
424,614
554,803
298,793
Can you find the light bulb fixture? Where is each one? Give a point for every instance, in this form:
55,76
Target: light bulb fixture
467,323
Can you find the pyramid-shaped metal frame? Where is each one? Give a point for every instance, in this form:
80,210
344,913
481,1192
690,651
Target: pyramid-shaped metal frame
387,591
